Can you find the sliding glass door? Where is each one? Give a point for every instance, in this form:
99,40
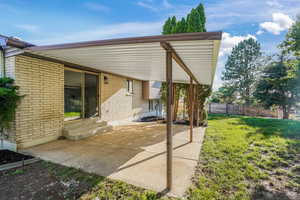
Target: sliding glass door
81,95
91,95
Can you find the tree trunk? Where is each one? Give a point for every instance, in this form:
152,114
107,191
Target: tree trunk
286,112
188,102
176,101
2,138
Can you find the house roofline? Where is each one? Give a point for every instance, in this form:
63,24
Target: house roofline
134,40
10,41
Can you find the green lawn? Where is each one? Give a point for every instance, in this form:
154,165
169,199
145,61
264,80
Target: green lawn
71,114
249,158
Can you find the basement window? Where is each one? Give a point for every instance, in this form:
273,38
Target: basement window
129,85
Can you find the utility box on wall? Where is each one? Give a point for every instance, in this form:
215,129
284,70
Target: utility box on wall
151,90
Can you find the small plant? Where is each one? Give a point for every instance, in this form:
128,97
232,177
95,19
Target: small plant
18,172
9,99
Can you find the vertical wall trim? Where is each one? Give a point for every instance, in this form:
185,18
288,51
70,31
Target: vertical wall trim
99,94
2,62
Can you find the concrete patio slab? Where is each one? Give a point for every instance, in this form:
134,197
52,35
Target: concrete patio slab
135,154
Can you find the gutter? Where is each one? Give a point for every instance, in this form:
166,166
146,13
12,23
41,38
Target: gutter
5,50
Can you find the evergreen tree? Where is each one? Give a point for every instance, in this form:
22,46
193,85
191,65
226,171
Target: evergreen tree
241,68
225,94
173,24
167,27
194,22
280,85
291,44
181,26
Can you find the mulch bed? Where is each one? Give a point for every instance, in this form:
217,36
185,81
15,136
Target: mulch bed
7,156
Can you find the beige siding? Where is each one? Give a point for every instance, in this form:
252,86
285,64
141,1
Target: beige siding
40,115
10,67
1,63
116,104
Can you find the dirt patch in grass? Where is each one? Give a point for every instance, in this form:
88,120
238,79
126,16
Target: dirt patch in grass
35,181
45,180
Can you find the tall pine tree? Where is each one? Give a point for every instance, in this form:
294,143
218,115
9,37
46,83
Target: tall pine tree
194,22
280,85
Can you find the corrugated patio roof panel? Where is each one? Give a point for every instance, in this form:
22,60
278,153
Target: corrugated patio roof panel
142,58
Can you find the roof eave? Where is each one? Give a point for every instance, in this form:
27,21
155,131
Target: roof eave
133,40
16,43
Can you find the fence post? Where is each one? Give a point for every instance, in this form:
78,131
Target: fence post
227,108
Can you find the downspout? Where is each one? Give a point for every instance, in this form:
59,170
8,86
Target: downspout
3,42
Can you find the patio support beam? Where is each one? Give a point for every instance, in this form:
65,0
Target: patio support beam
196,105
168,47
192,91
169,118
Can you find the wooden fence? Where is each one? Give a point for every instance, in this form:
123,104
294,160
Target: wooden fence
234,109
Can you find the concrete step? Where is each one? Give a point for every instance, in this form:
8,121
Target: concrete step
83,123
85,128
80,129
84,133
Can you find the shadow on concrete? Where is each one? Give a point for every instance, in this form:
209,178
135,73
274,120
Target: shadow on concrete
105,154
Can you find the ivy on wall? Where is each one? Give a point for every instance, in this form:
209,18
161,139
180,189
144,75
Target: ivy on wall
9,99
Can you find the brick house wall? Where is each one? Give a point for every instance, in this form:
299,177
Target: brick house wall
39,117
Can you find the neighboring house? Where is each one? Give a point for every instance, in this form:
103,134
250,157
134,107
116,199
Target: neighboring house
57,95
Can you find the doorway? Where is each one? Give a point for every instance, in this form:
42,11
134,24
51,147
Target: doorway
81,92
90,95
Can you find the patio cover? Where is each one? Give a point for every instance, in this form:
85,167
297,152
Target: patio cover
189,58
143,58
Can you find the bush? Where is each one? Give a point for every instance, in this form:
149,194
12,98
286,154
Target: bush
9,99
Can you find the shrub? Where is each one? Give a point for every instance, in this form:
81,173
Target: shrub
9,99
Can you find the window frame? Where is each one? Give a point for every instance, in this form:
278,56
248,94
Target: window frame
129,86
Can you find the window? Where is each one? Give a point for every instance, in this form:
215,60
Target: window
73,95
129,84
105,80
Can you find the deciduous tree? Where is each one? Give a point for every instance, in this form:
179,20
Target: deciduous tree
241,68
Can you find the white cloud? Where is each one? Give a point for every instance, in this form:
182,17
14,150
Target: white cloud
154,5
274,4
166,4
226,13
106,32
96,7
259,32
28,27
228,42
280,22
147,5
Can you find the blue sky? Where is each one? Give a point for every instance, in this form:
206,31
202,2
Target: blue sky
57,21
